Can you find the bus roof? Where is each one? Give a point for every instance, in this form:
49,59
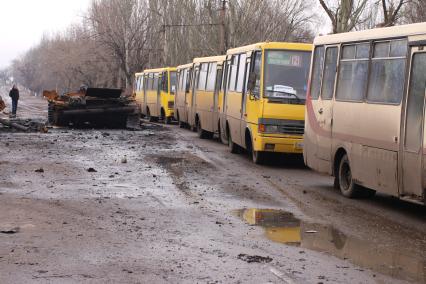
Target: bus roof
378,33
184,66
210,59
271,45
158,70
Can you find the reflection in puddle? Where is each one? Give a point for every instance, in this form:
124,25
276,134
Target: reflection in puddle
284,228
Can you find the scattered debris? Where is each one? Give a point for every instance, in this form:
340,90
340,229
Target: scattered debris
311,232
254,258
92,170
124,160
10,231
26,125
40,170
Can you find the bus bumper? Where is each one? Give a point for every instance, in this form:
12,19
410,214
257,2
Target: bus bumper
278,144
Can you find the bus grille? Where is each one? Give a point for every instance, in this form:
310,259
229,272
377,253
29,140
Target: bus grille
284,126
292,129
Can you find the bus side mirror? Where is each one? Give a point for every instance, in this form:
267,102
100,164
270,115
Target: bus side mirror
251,84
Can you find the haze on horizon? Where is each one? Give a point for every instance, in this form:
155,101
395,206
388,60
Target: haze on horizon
23,23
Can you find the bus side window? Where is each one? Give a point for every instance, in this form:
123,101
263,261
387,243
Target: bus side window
233,72
317,72
241,73
202,80
188,78
387,74
156,84
211,78
218,80
330,68
353,72
164,82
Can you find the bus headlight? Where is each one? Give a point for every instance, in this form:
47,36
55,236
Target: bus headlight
268,128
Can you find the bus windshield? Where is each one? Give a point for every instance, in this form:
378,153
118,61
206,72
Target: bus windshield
173,82
286,75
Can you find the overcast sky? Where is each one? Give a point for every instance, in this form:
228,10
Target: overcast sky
23,22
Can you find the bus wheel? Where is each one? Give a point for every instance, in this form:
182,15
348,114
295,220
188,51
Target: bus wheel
202,134
233,148
181,124
345,181
168,120
258,157
222,137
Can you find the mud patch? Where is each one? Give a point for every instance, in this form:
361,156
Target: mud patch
283,227
181,166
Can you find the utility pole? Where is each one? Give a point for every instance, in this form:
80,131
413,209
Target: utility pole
222,35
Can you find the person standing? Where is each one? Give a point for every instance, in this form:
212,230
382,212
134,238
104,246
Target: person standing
14,95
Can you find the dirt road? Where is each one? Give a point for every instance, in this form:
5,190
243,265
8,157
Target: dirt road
161,206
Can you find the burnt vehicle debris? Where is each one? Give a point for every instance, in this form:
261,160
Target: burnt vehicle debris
95,107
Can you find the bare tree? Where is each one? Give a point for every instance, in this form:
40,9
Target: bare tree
120,37
391,11
121,26
345,15
414,11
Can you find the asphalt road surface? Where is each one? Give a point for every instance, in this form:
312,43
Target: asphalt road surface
162,206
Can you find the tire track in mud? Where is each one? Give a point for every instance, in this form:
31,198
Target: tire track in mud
181,166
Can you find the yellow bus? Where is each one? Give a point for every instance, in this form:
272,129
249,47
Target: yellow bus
205,95
183,94
263,105
138,91
365,111
159,92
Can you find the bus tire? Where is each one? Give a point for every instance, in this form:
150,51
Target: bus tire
233,148
346,184
202,134
258,157
168,120
222,135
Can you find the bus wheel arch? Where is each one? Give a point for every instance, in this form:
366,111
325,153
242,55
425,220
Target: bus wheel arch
344,179
258,157
163,113
233,148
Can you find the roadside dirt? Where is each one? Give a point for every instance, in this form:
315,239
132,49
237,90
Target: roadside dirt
161,206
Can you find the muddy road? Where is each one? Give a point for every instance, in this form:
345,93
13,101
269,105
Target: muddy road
161,206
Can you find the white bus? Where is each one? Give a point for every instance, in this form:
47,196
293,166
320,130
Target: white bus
365,111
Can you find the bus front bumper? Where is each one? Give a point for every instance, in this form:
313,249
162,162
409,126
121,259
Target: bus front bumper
278,144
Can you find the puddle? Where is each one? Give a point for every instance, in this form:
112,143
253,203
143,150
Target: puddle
283,227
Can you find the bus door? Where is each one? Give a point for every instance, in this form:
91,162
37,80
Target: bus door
245,120
158,106
145,103
223,112
414,144
216,97
325,102
191,112
188,85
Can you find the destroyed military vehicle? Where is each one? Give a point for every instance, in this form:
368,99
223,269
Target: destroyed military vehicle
97,107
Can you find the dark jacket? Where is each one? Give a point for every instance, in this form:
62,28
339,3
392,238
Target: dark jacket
14,94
